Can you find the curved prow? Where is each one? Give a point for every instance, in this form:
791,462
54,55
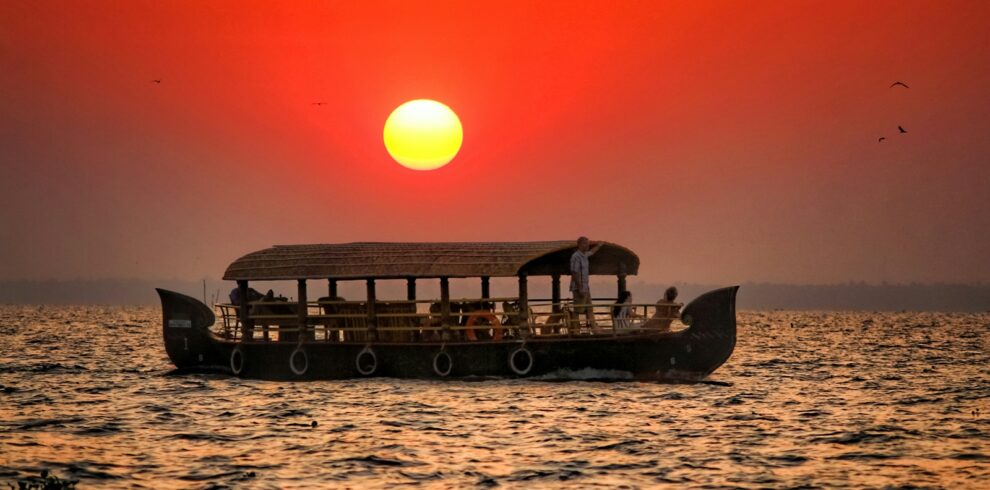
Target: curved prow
186,328
711,320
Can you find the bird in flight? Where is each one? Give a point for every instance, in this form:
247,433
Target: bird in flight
157,81
319,103
901,129
899,83
881,139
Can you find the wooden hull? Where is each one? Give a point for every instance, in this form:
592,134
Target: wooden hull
687,355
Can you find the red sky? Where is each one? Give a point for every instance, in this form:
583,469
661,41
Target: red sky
722,141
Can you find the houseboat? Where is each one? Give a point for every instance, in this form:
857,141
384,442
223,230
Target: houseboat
483,336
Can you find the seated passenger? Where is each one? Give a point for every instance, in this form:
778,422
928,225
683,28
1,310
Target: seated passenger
511,317
623,313
235,295
510,313
667,311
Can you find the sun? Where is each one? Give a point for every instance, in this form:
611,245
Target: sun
423,134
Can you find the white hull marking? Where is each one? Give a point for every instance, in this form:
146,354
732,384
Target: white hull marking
180,324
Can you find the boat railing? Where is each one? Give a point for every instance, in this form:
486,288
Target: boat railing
422,320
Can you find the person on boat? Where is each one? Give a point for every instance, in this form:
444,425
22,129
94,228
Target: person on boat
235,295
580,275
623,313
431,324
667,310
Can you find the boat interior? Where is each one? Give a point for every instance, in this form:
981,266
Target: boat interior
336,319
252,317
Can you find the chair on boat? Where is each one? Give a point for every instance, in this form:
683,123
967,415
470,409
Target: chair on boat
511,318
572,318
431,323
555,323
276,306
353,327
388,321
332,325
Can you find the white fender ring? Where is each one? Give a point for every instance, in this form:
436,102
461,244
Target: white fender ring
440,360
366,368
294,359
237,360
514,361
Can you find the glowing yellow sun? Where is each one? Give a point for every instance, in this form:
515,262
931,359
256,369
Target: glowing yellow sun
423,134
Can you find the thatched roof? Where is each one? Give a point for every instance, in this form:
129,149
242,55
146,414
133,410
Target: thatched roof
400,260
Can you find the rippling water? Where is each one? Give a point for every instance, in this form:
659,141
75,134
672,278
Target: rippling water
816,400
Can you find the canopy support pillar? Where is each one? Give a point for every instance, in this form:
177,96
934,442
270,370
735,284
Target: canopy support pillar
372,317
243,310
523,305
411,288
486,292
621,282
332,288
445,307
555,292
302,306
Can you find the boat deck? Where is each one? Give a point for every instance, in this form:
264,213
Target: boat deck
422,321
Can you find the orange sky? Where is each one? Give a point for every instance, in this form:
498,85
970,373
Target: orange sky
723,141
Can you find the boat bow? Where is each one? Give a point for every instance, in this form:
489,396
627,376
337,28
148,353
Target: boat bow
711,332
186,328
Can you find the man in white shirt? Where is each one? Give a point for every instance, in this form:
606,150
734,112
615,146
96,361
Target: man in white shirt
580,289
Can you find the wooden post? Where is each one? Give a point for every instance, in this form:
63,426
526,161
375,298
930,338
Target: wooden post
486,291
302,307
332,288
445,307
555,292
523,305
372,318
411,288
621,280
243,309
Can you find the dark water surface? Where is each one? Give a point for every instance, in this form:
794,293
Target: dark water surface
817,400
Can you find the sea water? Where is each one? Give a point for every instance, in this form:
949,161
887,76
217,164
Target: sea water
808,399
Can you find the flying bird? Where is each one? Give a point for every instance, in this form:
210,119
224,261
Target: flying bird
319,103
899,83
157,81
901,129
881,139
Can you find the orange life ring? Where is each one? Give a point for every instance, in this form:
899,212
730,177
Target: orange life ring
473,319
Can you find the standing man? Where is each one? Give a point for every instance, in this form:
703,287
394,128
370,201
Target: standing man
580,289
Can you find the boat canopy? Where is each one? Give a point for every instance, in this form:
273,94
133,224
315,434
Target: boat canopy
380,260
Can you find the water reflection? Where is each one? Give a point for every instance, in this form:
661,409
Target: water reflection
819,399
